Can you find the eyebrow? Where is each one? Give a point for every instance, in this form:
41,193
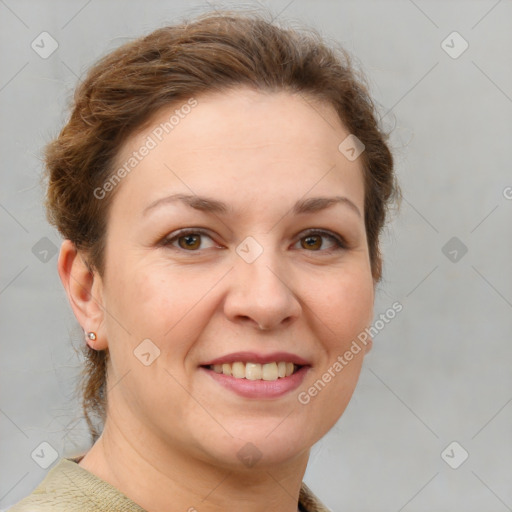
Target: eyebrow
207,204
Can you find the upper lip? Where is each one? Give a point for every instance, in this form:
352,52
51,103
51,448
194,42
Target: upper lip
253,357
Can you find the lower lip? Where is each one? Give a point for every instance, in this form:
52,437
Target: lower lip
260,388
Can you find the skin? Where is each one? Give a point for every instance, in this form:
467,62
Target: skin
172,433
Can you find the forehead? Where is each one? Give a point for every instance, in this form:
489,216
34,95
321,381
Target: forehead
241,141
243,118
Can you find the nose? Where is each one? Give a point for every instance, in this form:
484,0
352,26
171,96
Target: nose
261,293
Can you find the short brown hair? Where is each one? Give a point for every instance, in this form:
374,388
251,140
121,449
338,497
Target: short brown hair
214,52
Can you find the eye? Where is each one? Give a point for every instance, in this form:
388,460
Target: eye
188,239
312,240
191,240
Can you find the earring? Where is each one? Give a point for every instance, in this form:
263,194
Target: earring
92,336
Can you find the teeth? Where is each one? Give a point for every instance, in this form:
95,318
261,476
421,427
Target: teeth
238,370
269,371
256,371
253,371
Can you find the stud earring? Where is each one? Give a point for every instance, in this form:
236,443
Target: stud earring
92,336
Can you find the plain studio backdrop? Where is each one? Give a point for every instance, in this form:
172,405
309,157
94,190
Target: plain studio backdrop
429,425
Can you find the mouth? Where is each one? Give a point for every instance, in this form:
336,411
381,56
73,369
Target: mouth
256,371
257,376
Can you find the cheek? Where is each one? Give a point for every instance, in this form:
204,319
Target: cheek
161,302
342,313
141,289
345,306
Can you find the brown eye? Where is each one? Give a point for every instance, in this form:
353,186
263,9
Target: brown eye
191,240
313,241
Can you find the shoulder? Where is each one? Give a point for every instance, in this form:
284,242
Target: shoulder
69,487
309,502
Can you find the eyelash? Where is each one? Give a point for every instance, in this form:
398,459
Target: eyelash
340,242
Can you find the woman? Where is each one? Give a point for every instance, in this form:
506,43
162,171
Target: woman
220,188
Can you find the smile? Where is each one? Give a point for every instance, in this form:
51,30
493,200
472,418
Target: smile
257,381
256,371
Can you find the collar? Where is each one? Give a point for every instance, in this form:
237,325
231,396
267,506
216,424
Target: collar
71,488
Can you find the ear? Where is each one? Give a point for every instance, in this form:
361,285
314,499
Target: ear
84,289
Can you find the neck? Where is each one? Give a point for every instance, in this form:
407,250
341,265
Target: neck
160,476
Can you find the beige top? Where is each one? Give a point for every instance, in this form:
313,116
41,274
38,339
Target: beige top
68,487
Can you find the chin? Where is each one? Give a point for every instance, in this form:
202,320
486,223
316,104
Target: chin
261,446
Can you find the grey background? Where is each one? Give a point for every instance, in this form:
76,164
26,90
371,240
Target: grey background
439,372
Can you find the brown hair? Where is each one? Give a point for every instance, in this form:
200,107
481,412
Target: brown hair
212,53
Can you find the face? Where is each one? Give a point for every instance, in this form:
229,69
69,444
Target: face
217,255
